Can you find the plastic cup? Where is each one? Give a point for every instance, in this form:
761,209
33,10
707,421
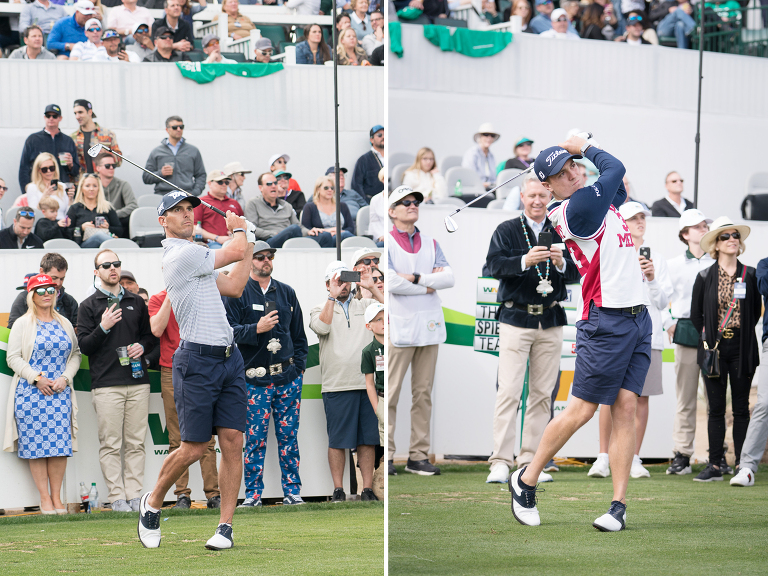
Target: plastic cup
122,353
63,158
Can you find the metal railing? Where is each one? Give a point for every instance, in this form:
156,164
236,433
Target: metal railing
739,31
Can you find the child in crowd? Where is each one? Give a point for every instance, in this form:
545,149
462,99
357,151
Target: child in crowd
372,364
48,228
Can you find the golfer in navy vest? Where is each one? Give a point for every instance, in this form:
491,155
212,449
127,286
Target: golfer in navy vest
208,372
613,338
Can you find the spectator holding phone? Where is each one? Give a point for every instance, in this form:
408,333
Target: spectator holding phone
45,183
92,214
48,227
53,141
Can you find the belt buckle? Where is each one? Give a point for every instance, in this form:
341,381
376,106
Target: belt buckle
275,369
727,333
228,351
536,309
637,309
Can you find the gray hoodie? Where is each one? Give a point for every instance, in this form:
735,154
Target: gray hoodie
188,170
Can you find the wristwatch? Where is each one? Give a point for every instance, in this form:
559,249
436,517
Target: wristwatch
586,146
416,278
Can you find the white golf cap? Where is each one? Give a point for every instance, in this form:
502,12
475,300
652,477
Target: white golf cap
401,192
372,311
91,22
85,7
630,209
365,253
276,156
334,268
557,13
692,217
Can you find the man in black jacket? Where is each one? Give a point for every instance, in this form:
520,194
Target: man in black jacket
20,235
365,178
109,319
52,140
532,284
673,204
55,266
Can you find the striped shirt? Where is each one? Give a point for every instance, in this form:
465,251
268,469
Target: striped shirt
190,280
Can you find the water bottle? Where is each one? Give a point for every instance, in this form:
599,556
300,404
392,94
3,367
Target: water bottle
136,369
78,235
457,189
93,498
199,231
84,498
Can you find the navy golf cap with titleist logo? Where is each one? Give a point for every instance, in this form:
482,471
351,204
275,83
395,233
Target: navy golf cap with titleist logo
172,198
551,160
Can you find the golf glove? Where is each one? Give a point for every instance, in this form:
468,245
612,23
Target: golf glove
250,232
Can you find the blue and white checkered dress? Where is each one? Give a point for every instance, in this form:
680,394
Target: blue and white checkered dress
44,422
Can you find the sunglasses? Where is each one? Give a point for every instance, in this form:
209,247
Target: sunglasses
52,116
142,30
676,181
109,166
407,203
94,29
283,177
177,127
562,19
635,19
43,291
735,235
327,187
4,188
108,265
270,183
213,42
378,279
261,257
46,169
369,261
26,213
165,37
488,134
226,181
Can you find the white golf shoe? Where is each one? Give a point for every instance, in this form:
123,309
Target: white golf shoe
523,501
614,520
745,478
601,468
222,540
638,470
149,524
499,473
544,477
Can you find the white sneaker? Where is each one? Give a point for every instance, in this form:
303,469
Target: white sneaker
614,520
222,540
149,524
523,501
499,473
600,469
544,477
121,506
637,470
745,477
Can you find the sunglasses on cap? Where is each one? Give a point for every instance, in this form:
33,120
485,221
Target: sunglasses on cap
109,166
51,290
635,19
369,261
46,169
177,127
261,257
735,235
407,203
26,213
108,265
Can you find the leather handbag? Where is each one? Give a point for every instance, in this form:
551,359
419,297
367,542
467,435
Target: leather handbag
711,362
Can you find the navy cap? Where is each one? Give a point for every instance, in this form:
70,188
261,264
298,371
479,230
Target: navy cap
52,108
551,160
332,170
172,198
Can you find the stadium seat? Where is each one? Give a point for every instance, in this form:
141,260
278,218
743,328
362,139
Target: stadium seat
449,162
196,56
363,218
305,243
504,191
119,244
470,181
400,158
757,183
61,244
149,200
236,56
275,33
452,200
11,214
396,177
496,205
143,221
358,242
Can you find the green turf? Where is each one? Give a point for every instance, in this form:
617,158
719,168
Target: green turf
313,539
457,524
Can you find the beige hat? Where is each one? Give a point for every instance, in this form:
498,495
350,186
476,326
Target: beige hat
487,128
236,168
718,226
216,175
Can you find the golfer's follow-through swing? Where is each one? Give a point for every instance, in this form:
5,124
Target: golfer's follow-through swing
613,338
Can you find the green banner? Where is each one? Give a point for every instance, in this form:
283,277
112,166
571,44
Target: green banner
204,73
473,43
396,38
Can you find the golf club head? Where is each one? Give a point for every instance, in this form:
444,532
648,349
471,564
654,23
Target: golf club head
450,224
93,151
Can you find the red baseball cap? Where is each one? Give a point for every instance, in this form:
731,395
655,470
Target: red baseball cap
38,281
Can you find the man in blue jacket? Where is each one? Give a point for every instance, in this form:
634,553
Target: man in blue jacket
269,332
69,31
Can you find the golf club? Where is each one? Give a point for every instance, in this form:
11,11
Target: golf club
93,151
450,223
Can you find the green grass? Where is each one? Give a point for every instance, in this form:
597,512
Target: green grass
457,524
331,539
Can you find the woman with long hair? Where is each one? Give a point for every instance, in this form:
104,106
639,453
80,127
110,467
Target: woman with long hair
313,50
423,176
725,308
320,214
592,22
41,418
520,8
45,169
350,53
92,214
239,26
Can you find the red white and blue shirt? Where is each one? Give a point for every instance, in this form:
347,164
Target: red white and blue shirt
599,240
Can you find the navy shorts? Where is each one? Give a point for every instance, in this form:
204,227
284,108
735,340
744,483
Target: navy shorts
209,392
350,419
613,351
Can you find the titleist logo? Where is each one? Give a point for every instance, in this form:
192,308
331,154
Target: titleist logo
555,154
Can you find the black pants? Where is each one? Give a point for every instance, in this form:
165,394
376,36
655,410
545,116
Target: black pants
716,387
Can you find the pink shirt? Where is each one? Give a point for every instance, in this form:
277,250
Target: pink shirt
121,18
